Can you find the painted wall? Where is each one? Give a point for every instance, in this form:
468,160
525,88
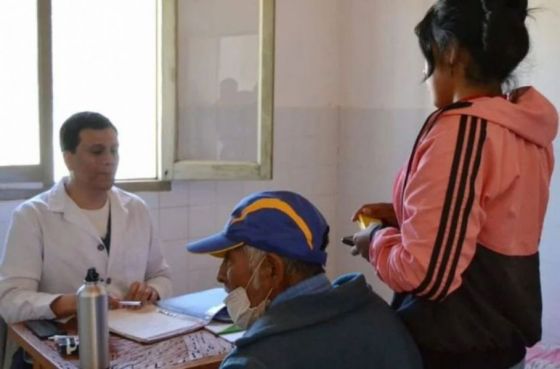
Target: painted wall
383,104
543,70
382,108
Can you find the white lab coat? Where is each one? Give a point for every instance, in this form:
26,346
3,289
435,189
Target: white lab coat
51,244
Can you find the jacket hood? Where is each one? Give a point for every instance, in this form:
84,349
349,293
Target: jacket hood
524,111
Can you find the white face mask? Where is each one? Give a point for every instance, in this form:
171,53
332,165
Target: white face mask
239,306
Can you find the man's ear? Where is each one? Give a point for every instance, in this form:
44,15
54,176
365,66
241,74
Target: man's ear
67,155
277,270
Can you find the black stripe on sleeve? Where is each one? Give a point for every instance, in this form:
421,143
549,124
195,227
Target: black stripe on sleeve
468,208
446,206
457,206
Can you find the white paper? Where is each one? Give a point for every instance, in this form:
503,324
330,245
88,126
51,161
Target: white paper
150,323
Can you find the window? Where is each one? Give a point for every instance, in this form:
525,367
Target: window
225,70
20,103
102,63
64,56
120,58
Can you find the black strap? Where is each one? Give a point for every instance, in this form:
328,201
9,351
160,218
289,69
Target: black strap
107,239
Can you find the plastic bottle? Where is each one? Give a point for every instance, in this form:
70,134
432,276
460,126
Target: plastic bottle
365,221
93,327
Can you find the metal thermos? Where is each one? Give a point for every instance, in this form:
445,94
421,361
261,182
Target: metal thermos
93,327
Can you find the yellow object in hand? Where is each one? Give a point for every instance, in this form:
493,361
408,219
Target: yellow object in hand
365,221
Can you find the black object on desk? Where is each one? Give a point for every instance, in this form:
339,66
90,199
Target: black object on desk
44,328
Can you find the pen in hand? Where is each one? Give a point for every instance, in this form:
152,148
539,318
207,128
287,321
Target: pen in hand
126,303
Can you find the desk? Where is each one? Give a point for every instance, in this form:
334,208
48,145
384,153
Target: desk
200,350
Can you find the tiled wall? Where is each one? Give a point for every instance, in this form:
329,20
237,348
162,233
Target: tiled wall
382,107
305,161
374,143
383,104
305,144
305,155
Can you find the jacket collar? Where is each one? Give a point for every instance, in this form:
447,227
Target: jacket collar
349,292
58,200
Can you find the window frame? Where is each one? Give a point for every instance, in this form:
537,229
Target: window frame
215,169
20,182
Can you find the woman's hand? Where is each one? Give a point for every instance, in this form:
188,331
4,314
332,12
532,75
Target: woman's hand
381,210
140,291
362,242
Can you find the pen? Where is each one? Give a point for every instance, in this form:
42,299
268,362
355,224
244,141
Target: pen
130,303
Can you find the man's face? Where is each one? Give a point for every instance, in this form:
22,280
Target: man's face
95,161
236,271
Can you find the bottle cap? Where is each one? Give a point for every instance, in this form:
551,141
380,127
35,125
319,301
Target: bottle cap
92,275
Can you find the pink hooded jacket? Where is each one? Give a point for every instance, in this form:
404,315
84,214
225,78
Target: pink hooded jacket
470,205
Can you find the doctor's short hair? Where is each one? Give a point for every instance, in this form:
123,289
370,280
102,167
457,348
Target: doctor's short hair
71,128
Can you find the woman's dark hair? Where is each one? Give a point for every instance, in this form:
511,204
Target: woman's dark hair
71,128
492,31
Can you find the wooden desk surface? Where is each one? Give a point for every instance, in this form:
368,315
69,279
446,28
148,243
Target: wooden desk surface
200,349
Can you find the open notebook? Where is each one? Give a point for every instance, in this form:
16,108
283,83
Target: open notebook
206,305
151,323
173,316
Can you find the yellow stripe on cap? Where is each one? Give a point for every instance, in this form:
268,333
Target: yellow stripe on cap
222,253
284,208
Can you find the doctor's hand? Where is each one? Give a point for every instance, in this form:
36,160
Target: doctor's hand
140,291
113,302
380,210
64,305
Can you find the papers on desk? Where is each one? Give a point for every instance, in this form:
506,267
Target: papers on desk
151,323
171,317
205,305
227,331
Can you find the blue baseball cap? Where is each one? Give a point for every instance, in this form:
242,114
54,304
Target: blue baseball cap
281,222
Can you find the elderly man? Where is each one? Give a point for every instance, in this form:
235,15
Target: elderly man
273,250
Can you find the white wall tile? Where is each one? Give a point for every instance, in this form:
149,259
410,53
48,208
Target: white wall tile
202,193
202,221
173,223
178,196
151,199
155,215
6,210
177,257
203,278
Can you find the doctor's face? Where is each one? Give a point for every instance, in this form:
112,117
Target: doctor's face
94,164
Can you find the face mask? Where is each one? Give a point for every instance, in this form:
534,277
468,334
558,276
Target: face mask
239,306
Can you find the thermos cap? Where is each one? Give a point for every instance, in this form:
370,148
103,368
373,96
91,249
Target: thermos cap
92,275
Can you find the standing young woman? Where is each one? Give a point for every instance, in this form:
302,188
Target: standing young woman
459,244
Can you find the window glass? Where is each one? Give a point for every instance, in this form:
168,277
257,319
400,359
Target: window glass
19,93
105,60
218,74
